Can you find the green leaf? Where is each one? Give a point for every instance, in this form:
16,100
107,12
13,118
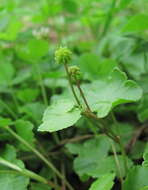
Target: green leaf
70,6
9,154
33,50
27,94
144,188
39,186
103,95
108,165
7,72
90,154
136,179
93,67
103,183
5,122
137,23
12,181
63,111
33,110
24,129
145,157
12,31
143,109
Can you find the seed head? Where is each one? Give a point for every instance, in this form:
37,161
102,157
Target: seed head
74,72
63,55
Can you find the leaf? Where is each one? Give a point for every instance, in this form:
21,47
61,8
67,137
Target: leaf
33,50
63,111
12,181
143,109
33,110
136,179
27,94
103,183
8,178
137,23
24,129
39,186
108,165
91,152
12,30
70,6
93,67
103,95
145,157
7,72
144,188
5,122
22,76
9,154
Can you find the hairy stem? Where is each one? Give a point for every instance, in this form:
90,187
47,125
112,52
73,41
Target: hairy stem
109,18
40,80
71,86
8,108
123,152
82,94
27,173
44,159
117,162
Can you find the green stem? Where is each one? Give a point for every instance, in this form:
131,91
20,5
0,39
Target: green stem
82,94
145,61
40,80
123,156
27,173
35,151
71,86
109,18
10,111
117,162
120,144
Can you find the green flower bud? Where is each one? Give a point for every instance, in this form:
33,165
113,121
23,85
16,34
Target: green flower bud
74,72
63,55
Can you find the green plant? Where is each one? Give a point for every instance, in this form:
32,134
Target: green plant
80,124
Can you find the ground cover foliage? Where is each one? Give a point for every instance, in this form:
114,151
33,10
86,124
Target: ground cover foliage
73,95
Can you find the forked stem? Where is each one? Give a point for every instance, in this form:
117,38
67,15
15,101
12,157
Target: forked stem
82,94
71,85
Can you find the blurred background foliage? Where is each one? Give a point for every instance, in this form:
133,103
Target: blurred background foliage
113,33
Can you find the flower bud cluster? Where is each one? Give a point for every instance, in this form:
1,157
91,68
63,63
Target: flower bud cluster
63,55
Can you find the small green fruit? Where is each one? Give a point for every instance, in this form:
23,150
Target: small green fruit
63,55
74,72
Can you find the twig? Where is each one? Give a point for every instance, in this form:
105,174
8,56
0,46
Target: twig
135,137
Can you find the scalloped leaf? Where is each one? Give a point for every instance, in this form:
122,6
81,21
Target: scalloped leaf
61,114
115,89
104,182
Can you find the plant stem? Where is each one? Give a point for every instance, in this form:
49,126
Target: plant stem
123,156
82,94
117,162
120,143
109,18
35,151
27,173
71,86
40,80
10,111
